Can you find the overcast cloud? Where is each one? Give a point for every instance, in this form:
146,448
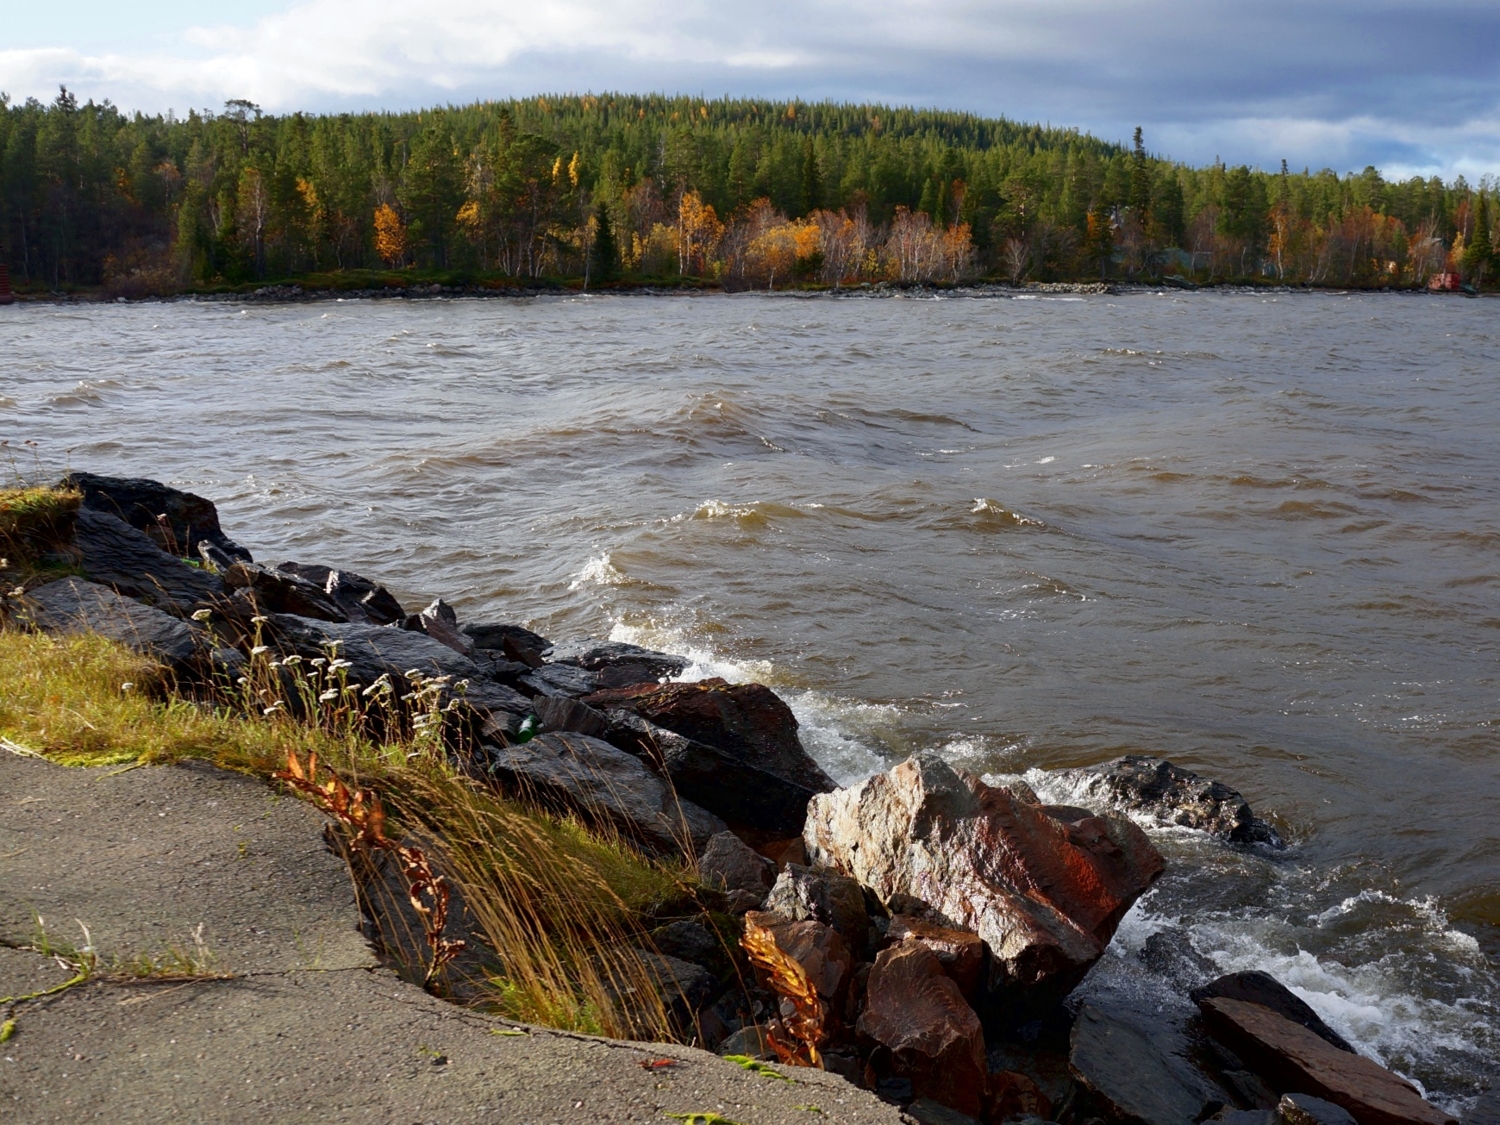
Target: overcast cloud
1407,87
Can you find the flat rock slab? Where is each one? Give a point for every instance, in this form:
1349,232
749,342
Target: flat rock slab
145,856
327,1037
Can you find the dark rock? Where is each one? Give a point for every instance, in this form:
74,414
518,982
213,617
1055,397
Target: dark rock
440,622
1256,987
1486,1111
896,1090
606,785
835,900
960,952
1304,1109
1230,1116
278,591
1043,890
929,1112
176,521
816,947
1172,795
745,877
71,605
495,637
915,1011
215,559
746,796
560,679
688,940
1135,1072
783,852
559,712
597,656
1012,1095
684,987
1292,1058
375,650
1170,954
748,1042
747,722
361,599
114,554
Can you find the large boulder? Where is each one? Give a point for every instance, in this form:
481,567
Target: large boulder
915,1011
747,722
1044,886
1136,1069
279,591
605,785
835,900
71,605
618,664
1256,987
1293,1059
959,952
817,948
177,521
114,554
440,622
360,598
1171,795
376,650
745,795
744,875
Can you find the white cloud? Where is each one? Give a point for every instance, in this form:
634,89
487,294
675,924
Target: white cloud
1333,83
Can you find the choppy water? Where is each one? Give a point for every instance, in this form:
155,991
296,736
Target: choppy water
1257,534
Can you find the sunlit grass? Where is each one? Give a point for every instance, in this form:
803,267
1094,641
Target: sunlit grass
561,906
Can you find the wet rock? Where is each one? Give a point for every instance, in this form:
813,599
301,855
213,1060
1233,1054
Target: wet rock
746,796
745,876
816,947
279,591
559,712
71,605
1134,1071
375,650
1170,954
601,783
176,521
114,554
496,638
1256,987
746,722
1290,1057
917,1013
1172,795
560,680
1486,1111
835,900
960,952
1045,888
628,661
1304,1109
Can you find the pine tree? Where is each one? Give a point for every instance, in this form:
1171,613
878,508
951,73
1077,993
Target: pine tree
812,182
1140,178
1479,253
605,255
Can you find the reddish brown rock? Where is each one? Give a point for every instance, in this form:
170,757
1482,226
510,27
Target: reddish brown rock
816,947
914,1009
1012,1094
1291,1057
960,952
747,721
1044,887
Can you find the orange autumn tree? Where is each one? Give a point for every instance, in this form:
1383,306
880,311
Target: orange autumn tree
390,235
699,231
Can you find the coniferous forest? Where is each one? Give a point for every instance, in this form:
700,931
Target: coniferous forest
743,193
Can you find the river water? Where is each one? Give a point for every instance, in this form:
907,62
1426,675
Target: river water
1257,534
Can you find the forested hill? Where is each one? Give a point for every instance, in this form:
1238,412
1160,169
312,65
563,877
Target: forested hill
743,192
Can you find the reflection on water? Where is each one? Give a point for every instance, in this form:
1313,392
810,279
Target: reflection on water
1256,534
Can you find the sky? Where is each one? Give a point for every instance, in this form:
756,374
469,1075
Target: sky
1412,88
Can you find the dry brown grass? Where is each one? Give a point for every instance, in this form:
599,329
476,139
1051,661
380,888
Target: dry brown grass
560,906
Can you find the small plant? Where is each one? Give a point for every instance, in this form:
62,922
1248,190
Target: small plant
796,1038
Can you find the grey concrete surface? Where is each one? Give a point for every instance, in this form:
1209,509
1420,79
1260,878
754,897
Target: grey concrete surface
311,1029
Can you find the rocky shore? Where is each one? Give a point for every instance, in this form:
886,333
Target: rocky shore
920,934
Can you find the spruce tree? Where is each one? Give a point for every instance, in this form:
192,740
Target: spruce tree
1479,253
812,183
1140,178
605,264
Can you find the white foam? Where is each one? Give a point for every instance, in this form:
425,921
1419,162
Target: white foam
599,571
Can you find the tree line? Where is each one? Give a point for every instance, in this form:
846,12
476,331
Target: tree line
743,192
